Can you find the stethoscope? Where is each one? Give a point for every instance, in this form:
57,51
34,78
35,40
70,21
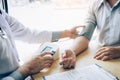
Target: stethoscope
5,33
2,33
0,12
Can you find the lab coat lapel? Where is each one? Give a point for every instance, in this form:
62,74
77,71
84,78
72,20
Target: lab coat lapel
5,27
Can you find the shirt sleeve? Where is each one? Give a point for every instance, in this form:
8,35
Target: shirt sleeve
55,36
16,75
31,36
20,32
90,23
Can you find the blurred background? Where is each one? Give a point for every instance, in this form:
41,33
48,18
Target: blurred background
49,14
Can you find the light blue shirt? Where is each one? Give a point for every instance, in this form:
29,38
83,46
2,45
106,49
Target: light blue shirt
106,20
12,29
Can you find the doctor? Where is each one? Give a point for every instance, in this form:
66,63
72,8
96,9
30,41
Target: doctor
11,29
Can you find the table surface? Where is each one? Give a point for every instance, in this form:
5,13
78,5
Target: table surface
84,59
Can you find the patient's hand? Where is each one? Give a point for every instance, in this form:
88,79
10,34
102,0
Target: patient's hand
107,53
68,59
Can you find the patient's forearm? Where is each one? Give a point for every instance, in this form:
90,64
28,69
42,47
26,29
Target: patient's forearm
80,44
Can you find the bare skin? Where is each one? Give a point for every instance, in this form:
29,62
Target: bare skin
72,33
68,59
36,64
107,53
111,2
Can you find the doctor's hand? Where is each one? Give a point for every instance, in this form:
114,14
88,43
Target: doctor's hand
36,64
107,53
71,33
68,59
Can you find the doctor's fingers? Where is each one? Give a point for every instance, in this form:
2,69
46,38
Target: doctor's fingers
44,54
73,36
47,57
45,65
48,60
74,29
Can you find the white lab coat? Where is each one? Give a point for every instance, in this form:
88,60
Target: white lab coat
15,30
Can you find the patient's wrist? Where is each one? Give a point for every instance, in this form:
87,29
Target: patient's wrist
73,51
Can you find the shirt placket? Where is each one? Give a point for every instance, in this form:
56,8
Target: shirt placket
112,32
108,24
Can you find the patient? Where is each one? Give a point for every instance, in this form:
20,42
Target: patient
104,15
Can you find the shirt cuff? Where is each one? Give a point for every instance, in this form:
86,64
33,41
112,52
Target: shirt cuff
56,36
17,75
